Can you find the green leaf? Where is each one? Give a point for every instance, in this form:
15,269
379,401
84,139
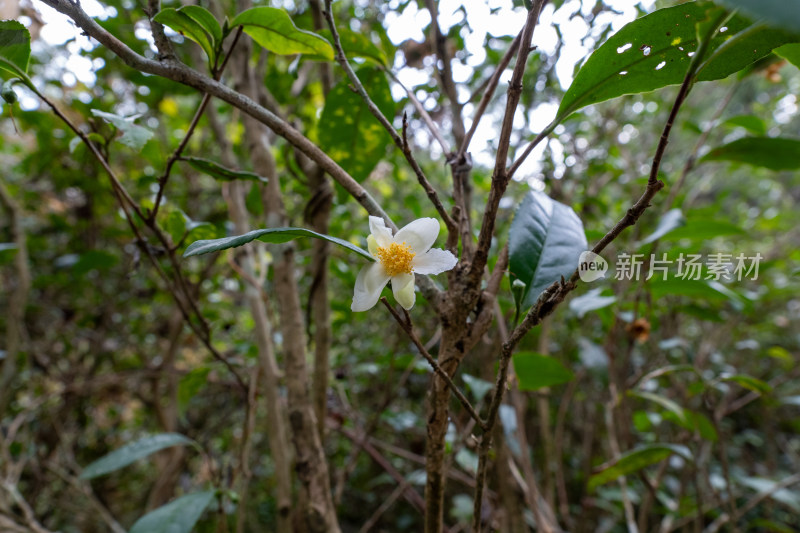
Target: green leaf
195,23
133,136
666,403
671,220
536,371
477,386
273,235
741,50
749,382
15,47
774,153
654,51
791,53
357,44
190,385
751,123
635,460
133,452
684,287
591,301
348,132
544,243
704,229
686,418
204,17
783,13
217,171
274,30
178,516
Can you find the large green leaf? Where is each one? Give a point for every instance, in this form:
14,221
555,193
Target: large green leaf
195,23
133,136
217,171
274,30
273,235
655,51
178,516
357,44
635,460
544,243
133,452
783,13
15,47
348,132
774,153
536,371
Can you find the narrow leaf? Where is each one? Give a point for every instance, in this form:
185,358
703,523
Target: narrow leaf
666,403
133,136
536,371
273,29
671,220
635,460
15,47
751,123
591,301
133,452
348,132
774,153
178,516
749,382
704,229
273,235
544,243
217,171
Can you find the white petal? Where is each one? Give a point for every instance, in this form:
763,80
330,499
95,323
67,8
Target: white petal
403,288
419,235
382,234
372,245
369,284
434,261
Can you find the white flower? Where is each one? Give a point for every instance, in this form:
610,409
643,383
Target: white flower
397,259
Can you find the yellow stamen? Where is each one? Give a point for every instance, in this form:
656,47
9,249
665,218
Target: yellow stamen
395,258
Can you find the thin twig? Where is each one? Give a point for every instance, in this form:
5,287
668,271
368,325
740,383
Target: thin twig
176,155
408,327
423,181
124,197
488,93
401,143
426,117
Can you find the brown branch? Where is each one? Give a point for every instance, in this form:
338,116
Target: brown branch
500,178
408,327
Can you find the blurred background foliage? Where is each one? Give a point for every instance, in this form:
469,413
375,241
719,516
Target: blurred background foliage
99,325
